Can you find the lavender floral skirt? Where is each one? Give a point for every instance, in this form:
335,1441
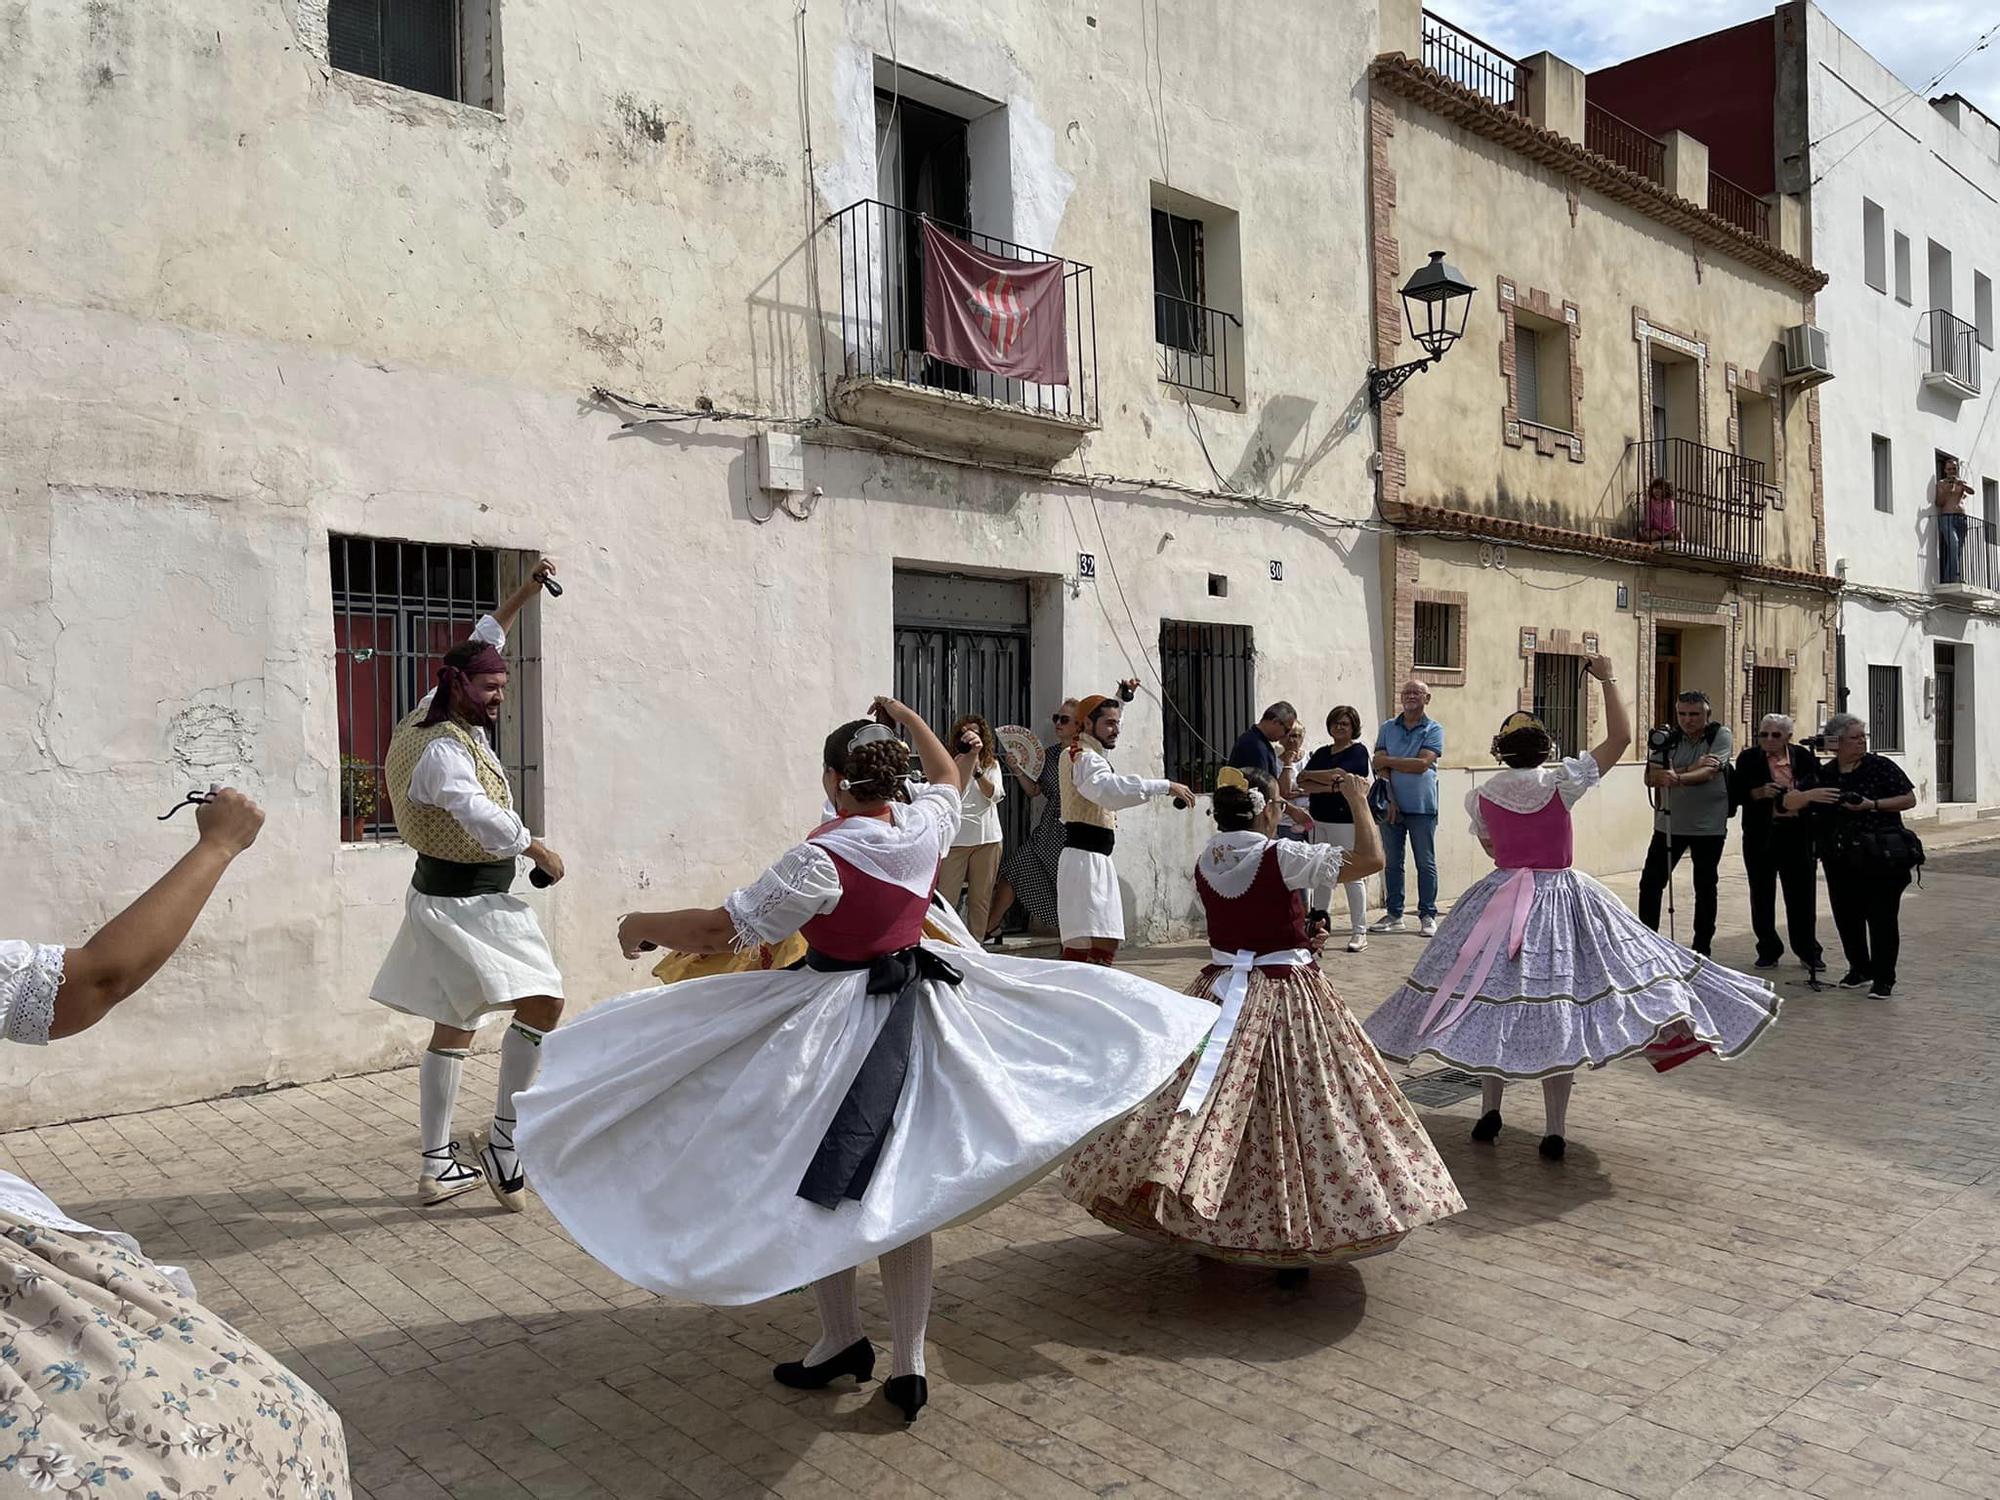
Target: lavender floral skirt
1590,984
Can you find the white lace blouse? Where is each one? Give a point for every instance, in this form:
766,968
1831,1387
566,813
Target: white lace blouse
1230,862
902,849
30,975
1528,791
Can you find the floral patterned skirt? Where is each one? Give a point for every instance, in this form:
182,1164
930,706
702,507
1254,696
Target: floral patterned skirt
113,1383
1304,1151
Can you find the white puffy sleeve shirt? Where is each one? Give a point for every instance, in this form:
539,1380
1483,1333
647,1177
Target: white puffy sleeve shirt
445,777
1096,780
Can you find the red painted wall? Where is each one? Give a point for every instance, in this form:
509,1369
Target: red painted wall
1721,89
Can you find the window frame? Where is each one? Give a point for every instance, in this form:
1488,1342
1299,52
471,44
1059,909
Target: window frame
473,28
1982,308
1903,289
1879,739
1761,700
1882,459
1208,681
1451,629
1874,246
1577,706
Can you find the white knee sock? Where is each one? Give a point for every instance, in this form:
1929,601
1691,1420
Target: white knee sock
1555,1102
520,1060
1357,905
906,1286
437,1092
839,1316
1490,1090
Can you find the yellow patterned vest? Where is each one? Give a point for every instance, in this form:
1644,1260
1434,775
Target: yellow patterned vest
1077,808
432,830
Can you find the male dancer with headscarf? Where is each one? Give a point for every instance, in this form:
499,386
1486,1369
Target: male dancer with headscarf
1089,912
468,951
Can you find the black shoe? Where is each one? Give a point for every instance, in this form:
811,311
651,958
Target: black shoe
857,1359
1292,1276
1552,1148
1488,1127
1882,991
910,1392
1768,963
1854,979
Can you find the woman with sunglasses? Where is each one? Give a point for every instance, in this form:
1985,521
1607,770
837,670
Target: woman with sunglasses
1028,877
1778,844
729,1139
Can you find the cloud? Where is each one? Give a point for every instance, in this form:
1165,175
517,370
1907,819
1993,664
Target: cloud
1918,39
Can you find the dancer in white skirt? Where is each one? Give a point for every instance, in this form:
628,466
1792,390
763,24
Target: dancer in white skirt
1089,911
468,952
731,1138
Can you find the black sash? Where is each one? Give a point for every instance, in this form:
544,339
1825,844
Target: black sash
1089,838
845,1161
447,877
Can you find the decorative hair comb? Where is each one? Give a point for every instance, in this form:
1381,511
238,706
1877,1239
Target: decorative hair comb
1519,720
1231,776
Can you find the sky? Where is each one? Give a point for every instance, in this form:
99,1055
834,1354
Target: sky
1916,38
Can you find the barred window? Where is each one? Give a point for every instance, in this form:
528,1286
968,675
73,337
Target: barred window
397,608
1437,636
441,47
1559,699
1770,693
1209,676
1885,709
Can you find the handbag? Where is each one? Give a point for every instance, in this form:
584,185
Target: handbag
1886,849
1378,798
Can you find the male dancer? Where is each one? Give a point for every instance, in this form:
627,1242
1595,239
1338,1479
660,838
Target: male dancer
1089,913
468,951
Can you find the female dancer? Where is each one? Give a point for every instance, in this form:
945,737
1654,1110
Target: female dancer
729,1138
1029,874
1539,970
1286,1143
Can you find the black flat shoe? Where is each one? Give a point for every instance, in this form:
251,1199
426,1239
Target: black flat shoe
1294,1276
909,1392
1488,1127
857,1359
1552,1148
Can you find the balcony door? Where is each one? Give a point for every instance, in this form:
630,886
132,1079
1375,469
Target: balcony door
1944,717
923,168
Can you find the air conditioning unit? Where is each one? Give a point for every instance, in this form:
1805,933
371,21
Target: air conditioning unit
1806,362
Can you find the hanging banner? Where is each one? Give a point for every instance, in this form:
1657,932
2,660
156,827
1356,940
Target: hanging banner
989,313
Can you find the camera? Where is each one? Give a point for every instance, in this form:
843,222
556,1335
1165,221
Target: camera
1659,742
1815,743
1852,799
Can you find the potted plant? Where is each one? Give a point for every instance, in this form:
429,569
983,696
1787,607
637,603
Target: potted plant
358,793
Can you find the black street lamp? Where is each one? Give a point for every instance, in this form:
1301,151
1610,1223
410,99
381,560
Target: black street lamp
1436,300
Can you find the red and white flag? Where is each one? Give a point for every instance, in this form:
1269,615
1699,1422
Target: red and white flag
987,313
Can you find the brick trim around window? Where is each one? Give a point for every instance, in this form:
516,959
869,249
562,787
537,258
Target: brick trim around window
1407,601
1735,378
1556,641
1515,430
1646,333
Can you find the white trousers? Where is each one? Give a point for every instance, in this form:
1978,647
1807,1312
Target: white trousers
1087,901
1321,897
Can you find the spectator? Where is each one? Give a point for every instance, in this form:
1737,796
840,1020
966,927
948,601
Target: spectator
1777,843
1407,750
972,863
1856,803
1660,523
1295,819
1951,494
1333,823
1029,875
1690,772
1256,748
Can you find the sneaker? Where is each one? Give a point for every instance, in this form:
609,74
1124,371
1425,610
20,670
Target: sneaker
1854,979
1358,942
1428,927
511,1191
1389,924
1882,991
451,1177
1767,963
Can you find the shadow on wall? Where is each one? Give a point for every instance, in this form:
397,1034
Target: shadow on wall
1282,452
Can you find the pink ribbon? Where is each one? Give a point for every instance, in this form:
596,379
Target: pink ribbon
1504,923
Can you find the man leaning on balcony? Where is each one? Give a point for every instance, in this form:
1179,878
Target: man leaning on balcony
1951,494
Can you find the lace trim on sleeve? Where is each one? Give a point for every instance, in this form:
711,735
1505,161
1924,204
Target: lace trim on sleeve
1576,776
1475,815
942,808
30,975
802,885
1304,866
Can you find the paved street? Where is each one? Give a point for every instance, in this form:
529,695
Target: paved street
1770,1278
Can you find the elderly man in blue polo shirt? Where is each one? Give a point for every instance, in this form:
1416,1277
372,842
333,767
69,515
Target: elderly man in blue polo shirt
1407,750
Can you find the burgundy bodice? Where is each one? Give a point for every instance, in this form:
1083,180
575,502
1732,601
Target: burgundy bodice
1540,840
1266,918
873,917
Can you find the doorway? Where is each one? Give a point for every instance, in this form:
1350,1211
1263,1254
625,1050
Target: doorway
1666,675
1944,718
924,168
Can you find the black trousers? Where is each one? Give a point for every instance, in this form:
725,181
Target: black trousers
1867,907
1775,858
1661,860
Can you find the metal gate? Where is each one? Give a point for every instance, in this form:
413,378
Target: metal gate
944,671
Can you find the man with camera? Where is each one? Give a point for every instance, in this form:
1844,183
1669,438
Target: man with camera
1687,770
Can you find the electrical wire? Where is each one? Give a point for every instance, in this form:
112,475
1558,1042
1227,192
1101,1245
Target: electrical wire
1979,45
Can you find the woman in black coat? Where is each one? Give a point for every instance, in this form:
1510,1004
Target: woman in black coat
1778,843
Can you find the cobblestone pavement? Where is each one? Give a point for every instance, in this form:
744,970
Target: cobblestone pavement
1774,1277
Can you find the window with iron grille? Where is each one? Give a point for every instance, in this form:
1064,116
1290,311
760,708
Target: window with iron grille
1885,482
397,608
440,47
1436,636
1208,674
1770,693
1885,709
1177,282
1559,700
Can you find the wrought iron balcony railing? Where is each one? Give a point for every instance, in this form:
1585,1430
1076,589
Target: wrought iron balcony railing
1954,352
1739,206
1624,142
1717,506
1200,347
1472,64
1968,553
880,308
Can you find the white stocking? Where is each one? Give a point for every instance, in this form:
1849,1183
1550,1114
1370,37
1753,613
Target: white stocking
839,1316
1490,1090
1555,1102
906,1286
520,1060
437,1093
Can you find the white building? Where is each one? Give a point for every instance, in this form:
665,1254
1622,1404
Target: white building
296,370
1903,209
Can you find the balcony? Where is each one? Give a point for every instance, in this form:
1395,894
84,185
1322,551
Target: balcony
1472,64
1624,143
1968,566
1200,348
888,380
1954,357
1718,505
1739,206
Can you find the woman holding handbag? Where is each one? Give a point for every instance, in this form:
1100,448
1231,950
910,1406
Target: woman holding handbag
1856,803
